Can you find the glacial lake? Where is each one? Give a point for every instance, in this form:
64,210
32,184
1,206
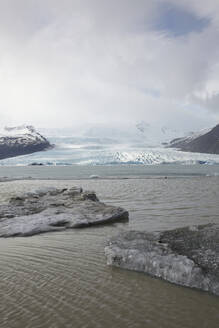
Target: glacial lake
60,279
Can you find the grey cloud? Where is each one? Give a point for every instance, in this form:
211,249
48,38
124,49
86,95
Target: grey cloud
209,101
67,62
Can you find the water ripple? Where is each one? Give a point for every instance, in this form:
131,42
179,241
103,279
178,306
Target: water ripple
61,279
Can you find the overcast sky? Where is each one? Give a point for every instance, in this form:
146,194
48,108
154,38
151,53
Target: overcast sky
68,62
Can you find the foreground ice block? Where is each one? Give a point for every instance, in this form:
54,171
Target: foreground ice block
186,256
53,210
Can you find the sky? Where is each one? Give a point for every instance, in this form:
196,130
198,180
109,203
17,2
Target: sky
66,63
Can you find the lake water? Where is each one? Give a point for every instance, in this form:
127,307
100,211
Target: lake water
57,280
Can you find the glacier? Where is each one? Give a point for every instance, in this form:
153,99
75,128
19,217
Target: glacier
137,144
83,155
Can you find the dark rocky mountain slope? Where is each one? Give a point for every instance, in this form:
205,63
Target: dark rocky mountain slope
206,143
21,140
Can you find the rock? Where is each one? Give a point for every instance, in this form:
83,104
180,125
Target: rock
21,140
186,256
53,210
36,164
90,195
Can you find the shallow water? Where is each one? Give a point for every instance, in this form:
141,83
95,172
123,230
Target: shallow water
61,279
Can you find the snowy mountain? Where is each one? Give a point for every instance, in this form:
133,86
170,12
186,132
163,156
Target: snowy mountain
157,135
140,134
188,138
101,144
206,141
21,140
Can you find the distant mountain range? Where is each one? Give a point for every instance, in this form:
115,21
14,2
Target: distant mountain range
21,140
206,141
127,142
139,133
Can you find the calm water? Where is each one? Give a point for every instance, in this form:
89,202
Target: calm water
61,279
108,171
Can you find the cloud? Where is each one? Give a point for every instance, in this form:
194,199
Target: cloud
71,62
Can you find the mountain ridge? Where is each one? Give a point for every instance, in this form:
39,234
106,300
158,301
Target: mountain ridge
204,143
21,140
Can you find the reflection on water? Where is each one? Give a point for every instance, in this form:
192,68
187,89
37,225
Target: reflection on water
61,279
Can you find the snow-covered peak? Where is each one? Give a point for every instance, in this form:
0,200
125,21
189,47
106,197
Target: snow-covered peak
142,133
142,126
190,137
22,131
196,134
156,134
17,130
21,140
